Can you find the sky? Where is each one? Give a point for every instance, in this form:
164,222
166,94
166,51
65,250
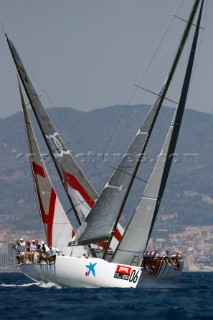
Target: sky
89,54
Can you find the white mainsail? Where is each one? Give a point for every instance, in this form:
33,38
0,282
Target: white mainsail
136,236
57,227
103,218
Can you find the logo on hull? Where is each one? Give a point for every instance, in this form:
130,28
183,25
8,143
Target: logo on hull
90,269
122,272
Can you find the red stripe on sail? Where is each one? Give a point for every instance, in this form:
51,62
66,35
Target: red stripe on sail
101,244
117,234
38,169
73,183
47,217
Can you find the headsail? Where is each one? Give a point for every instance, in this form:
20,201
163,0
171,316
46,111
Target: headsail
136,236
102,219
57,227
82,193
79,190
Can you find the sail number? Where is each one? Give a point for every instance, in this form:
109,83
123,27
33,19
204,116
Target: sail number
134,276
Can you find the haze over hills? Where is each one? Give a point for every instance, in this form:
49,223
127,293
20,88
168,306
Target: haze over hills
97,140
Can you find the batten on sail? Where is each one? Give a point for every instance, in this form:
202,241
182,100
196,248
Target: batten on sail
103,218
137,233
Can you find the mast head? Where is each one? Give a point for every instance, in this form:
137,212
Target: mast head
6,36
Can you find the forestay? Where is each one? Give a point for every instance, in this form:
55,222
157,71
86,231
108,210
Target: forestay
134,242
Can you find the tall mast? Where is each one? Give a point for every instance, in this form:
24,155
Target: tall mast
151,118
138,231
103,218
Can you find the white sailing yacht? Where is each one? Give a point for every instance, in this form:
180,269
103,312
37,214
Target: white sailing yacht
98,216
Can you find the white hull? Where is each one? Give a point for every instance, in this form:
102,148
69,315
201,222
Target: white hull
74,273
84,273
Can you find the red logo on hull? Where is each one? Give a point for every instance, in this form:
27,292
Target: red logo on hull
123,269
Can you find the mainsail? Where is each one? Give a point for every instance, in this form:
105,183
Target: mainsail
80,192
57,227
102,220
136,236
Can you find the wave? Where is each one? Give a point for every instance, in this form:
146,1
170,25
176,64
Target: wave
39,284
49,285
19,285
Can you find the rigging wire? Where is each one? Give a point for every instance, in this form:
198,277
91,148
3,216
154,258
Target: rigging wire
109,140
162,115
154,54
199,45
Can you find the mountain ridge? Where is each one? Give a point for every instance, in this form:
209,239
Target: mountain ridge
95,137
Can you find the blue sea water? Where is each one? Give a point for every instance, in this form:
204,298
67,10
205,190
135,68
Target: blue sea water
190,298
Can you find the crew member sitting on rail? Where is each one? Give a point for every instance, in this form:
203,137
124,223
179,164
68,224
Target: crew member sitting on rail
38,253
153,254
22,244
165,254
28,256
22,249
175,260
43,252
177,255
50,258
16,246
33,246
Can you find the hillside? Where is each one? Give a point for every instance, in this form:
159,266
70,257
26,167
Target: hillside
97,140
